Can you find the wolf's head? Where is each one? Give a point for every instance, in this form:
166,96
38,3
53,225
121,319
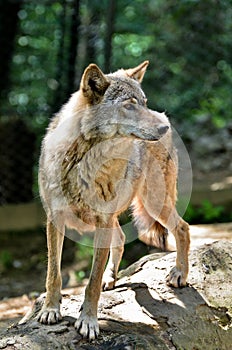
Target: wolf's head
118,105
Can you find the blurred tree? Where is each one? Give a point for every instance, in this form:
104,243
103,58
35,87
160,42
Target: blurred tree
93,15
188,43
59,94
69,28
8,29
110,19
74,35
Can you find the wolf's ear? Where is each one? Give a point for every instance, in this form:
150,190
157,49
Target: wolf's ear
94,84
138,72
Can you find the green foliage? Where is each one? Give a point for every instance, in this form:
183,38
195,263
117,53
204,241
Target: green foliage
85,254
189,55
206,213
34,63
188,43
6,260
189,52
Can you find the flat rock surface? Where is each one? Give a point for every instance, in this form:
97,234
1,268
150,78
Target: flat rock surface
142,312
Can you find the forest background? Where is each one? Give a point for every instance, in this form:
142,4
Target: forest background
45,48
46,45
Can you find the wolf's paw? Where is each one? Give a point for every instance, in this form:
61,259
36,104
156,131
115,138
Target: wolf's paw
87,326
108,280
176,278
49,315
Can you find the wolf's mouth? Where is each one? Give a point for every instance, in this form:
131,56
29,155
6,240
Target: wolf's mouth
161,130
146,137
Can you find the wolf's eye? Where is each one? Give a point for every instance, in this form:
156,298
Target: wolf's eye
134,100
129,106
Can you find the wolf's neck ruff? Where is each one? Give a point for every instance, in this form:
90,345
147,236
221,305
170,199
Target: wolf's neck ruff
76,152
96,176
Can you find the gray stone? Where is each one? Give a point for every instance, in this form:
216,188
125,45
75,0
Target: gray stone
142,312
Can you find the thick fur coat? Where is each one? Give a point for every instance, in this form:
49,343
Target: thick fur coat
103,152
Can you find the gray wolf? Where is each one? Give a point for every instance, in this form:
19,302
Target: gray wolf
103,152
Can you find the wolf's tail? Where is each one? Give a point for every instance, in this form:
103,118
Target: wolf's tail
150,231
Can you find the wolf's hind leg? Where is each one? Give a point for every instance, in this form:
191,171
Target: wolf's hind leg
116,252
155,235
150,231
174,223
50,312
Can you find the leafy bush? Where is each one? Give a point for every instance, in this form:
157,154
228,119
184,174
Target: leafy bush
6,260
206,213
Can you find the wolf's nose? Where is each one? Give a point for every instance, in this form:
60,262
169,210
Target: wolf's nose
162,129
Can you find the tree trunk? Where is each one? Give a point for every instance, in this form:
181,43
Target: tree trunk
66,56
59,95
111,12
92,27
75,23
142,312
8,28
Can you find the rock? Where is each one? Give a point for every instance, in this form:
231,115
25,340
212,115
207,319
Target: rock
142,312
210,147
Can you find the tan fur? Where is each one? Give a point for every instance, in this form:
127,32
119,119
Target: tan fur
105,151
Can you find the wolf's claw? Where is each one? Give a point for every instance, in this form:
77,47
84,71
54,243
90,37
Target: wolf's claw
49,316
176,278
88,327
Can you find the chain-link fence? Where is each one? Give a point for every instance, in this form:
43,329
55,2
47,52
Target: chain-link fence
16,162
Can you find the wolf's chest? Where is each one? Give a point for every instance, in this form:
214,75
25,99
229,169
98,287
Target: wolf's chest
104,178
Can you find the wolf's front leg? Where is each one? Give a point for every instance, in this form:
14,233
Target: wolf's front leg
50,312
116,252
87,324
